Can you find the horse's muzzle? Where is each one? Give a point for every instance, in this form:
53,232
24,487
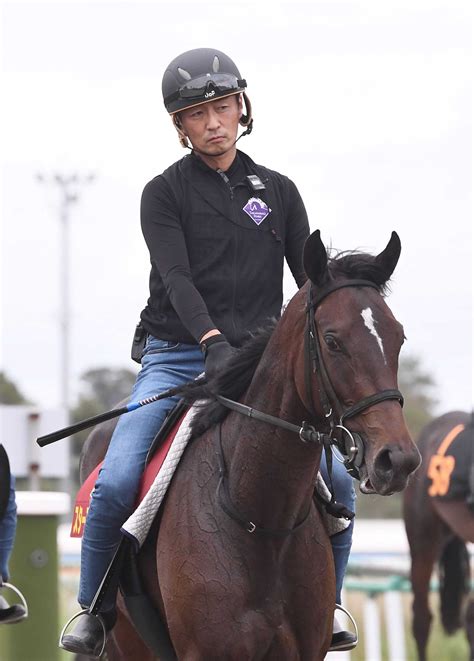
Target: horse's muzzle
391,468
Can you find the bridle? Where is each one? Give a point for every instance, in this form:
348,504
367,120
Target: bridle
351,445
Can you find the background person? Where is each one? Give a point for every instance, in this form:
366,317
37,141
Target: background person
8,520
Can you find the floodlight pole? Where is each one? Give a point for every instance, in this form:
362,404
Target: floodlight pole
69,190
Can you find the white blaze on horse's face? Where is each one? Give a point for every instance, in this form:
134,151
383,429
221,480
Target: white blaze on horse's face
369,321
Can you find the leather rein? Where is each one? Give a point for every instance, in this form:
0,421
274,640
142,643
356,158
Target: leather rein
351,446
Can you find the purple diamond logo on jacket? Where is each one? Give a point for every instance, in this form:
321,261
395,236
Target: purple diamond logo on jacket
257,210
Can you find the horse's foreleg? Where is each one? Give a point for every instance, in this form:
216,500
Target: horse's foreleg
469,623
421,570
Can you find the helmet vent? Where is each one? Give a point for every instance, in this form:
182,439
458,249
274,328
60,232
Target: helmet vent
184,74
215,64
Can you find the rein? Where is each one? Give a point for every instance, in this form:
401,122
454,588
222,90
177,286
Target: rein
306,432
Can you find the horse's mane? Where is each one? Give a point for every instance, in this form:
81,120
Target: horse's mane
238,371
231,382
355,265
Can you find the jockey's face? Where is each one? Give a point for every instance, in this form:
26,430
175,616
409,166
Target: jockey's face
212,127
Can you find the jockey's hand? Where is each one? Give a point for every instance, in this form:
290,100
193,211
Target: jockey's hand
216,352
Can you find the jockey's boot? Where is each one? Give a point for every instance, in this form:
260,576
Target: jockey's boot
90,634
341,640
11,614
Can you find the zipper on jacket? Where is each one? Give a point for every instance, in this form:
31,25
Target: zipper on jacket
226,180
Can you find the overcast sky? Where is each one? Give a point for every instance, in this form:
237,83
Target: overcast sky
365,105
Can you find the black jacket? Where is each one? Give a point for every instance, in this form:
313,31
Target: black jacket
212,265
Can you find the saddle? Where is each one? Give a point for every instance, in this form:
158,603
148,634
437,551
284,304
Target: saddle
450,472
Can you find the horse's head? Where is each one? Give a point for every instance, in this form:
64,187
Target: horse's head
351,362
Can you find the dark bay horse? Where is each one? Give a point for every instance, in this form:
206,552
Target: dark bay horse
438,530
241,567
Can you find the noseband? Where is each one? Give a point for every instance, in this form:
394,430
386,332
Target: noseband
351,444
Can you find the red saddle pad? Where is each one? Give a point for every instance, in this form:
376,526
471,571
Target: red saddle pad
81,505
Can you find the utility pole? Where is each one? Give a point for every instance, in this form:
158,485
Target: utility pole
69,187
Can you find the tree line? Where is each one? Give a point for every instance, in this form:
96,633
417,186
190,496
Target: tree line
102,388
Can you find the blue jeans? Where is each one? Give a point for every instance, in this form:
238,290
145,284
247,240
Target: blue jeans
164,365
344,493
7,532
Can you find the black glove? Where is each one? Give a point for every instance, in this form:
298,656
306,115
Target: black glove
216,351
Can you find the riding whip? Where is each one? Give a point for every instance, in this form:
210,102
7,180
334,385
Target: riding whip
114,413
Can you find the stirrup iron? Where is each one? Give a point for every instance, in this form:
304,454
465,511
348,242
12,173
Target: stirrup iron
14,589
346,612
84,611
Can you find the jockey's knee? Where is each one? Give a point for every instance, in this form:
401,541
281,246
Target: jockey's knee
118,490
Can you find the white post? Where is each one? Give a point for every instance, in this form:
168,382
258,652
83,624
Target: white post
394,626
373,651
34,457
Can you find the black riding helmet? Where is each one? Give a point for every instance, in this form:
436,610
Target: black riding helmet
199,76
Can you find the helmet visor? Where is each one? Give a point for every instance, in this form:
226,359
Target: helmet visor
205,88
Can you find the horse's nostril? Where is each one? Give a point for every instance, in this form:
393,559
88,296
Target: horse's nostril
395,461
383,462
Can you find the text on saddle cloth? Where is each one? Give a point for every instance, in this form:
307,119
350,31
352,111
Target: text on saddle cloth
448,469
154,484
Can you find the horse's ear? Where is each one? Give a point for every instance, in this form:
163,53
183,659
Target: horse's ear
315,259
388,258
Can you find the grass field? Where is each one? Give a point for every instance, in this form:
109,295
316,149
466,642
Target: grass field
440,646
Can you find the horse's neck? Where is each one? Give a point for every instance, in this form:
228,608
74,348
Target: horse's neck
271,471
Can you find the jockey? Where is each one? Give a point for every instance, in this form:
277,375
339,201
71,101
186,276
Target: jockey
469,431
17,612
218,228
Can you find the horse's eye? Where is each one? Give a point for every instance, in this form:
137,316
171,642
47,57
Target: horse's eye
331,342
